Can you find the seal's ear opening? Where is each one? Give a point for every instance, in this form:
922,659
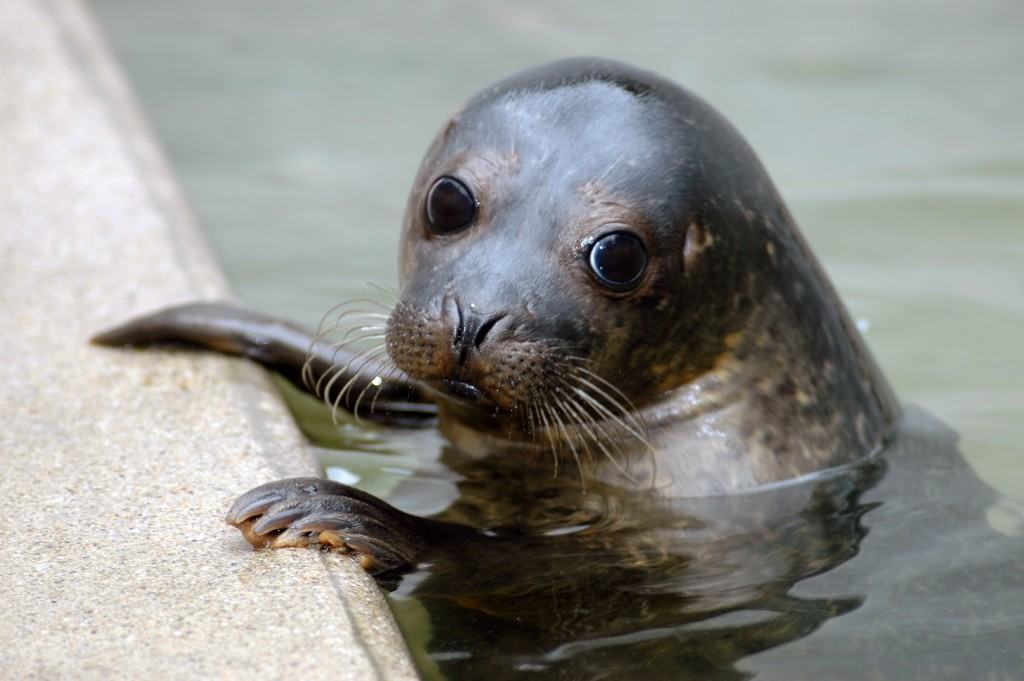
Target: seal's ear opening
697,239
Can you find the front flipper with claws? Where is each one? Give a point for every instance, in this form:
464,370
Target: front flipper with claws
306,511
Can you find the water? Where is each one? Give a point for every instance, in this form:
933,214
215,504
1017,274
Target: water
893,129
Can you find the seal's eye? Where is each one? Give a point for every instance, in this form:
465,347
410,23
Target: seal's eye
618,260
450,206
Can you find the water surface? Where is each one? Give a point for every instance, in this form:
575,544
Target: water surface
893,129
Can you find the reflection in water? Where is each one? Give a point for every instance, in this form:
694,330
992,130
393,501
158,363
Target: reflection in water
625,586
608,584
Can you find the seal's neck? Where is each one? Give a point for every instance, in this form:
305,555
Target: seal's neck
798,391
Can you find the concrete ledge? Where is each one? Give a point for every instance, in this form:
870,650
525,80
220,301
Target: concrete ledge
117,467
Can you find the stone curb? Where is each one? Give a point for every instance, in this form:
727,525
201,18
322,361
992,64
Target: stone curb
117,466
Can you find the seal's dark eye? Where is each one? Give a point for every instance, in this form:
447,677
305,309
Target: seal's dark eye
450,206
618,260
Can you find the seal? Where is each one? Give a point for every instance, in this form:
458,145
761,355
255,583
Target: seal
596,273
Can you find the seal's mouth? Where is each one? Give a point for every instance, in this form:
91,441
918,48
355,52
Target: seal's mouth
463,393
462,390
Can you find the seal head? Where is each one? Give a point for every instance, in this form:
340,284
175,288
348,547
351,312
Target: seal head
588,243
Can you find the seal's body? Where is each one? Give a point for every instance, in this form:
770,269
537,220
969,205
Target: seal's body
597,273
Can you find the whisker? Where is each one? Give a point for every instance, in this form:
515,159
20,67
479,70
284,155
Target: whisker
588,419
369,384
370,356
533,415
572,429
339,348
610,416
336,402
547,431
322,331
572,447
390,290
388,373
338,373
372,333
629,412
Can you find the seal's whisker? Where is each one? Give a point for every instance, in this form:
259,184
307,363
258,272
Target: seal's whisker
577,420
528,409
336,366
339,371
389,372
334,317
626,402
384,369
563,441
370,356
334,404
389,290
374,354
318,336
336,345
369,333
598,430
341,342
324,329
538,406
334,372
353,314
550,427
608,415
537,421
327,315
359,314
568,441
375,303
602,426
628,411
562,371
327,393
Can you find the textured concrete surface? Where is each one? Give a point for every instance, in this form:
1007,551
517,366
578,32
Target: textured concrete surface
117,466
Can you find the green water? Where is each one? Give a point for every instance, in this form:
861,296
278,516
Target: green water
893,129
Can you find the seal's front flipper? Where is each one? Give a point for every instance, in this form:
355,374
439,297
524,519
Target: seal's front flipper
286,348
304,511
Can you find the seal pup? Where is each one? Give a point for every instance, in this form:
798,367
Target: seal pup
596,272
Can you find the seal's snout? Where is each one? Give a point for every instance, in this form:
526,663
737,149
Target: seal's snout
471,352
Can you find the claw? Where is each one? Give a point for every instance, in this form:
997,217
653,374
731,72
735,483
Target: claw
257,500
249,506
320,523
278,518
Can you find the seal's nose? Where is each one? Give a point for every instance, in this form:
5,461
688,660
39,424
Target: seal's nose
471,329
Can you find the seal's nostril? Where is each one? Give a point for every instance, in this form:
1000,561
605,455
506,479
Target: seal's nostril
460,324
485,328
